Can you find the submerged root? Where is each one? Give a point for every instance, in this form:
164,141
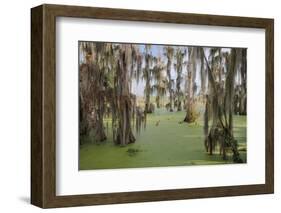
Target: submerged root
191,116
219,136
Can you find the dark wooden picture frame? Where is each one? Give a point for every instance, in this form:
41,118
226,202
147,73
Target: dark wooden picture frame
43,105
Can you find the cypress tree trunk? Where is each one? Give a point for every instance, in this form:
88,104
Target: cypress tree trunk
158,101
147,75
124,134
191,69
202,72
206,123
243,104
92,101
99,126
222,126
169,54
170,85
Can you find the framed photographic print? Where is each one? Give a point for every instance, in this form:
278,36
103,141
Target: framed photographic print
136,106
